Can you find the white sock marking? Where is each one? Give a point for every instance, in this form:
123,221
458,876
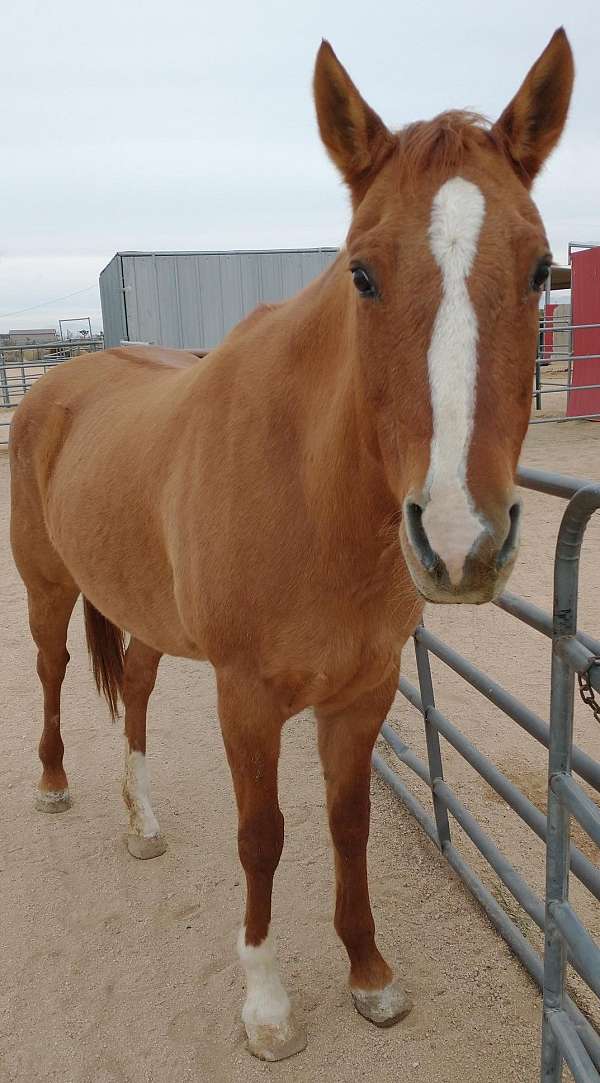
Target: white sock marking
52,797
387,996
267,1003
141,816
448,519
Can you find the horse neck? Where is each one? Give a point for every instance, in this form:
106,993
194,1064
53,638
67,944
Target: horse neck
312,363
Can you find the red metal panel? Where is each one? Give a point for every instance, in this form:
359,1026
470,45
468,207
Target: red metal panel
585,301
548,342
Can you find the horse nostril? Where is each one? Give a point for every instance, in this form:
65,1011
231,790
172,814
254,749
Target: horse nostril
510,542
413,514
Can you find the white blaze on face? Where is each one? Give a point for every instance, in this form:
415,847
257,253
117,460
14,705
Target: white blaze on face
267,1003
137,794
449,520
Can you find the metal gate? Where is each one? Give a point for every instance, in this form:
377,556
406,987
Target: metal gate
21,366
571,338
566,1033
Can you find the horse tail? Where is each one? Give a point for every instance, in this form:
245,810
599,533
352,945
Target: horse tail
106,648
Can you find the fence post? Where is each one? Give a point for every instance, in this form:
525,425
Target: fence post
4,383
432,737
566,583
557,858
538,384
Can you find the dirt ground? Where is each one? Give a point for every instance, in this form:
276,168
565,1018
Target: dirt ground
120,971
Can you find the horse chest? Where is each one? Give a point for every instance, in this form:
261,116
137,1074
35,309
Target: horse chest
333,660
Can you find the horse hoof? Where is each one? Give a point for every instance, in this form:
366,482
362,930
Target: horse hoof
383,1007
275,1042
145,848
52,801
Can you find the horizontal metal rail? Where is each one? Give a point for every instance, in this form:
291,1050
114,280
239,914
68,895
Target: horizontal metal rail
585,766
12,380
554,390
561,485
562,420
572,1048
557,345
18,376
538,618
412,803
74,345
582,357
580,659
547,326
578,803
584,869
512,879
554,355
405,754
38,362
585,956
503,923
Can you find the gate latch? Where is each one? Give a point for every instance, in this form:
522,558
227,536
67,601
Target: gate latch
586,689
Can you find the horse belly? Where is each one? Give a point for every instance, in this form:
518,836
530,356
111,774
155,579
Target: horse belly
110,541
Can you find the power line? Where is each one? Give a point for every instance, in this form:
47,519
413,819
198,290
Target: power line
52,301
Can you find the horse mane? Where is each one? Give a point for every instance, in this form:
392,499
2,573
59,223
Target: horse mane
444,142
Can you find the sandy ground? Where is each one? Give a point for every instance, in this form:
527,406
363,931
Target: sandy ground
119,971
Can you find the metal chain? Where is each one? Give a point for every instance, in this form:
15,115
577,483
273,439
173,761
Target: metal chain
587,692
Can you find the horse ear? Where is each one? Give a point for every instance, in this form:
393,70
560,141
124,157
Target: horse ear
355,137
531,125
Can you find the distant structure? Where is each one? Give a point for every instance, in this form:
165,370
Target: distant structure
33,336
192,299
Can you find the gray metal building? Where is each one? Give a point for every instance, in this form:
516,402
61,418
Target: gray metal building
191,299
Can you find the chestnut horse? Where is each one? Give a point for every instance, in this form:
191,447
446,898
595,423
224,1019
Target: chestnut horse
282,506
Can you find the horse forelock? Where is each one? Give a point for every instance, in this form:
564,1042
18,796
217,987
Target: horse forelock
445,141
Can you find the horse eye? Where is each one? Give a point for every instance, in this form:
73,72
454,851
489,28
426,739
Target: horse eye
540,275
363,283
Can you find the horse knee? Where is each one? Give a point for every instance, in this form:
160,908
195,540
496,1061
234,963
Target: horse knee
260,843
349,825
52,664
139,677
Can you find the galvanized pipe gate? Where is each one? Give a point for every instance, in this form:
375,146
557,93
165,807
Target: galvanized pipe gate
566,1034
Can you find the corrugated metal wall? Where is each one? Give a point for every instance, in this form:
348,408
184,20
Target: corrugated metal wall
113,303
191,299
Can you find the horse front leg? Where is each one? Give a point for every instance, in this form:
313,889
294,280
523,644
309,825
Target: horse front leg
346,740
251,725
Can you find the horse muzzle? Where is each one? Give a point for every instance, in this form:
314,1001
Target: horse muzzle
461,568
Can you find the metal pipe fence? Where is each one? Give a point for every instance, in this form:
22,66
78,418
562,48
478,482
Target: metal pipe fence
560,352
567,1035
21,366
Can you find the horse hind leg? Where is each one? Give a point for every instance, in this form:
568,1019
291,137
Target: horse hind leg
139,676
51,597
50,608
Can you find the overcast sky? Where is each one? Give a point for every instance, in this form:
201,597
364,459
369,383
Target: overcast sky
190,125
